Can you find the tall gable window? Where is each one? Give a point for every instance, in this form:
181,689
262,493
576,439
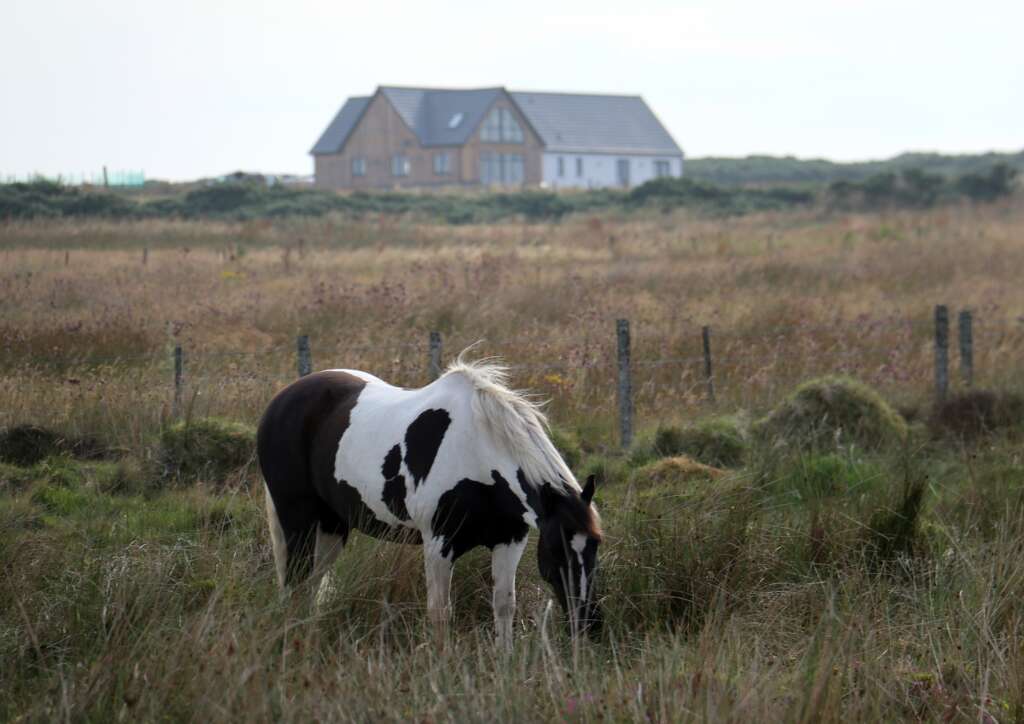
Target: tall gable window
501,168
399,165
442,164
501,126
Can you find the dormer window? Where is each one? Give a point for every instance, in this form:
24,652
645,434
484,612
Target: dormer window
501,126
456,120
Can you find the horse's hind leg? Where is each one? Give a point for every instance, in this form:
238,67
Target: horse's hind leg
329,543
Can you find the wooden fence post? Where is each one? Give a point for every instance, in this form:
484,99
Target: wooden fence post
304,356
179,381
145,255
965,328
941,353
625,385
705,334
434,367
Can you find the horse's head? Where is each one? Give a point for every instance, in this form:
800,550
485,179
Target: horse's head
570,533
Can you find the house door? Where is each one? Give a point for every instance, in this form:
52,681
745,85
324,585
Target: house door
623,168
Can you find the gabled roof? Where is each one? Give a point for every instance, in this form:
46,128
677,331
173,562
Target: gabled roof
337,132
580,123
567,122
429,111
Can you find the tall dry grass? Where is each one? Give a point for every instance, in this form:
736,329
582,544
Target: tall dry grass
87,329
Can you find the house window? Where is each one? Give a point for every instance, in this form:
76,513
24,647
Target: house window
501,168
399,165
579,167
358,166
662,169
561,166
501,126
442,164
455,120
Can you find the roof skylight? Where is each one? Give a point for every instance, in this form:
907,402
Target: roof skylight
455,120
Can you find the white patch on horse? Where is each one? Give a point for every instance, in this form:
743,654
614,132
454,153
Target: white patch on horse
579,542
516,423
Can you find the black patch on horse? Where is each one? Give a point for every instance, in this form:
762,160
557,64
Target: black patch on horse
476,514
533,497
295,443
394,484
422,440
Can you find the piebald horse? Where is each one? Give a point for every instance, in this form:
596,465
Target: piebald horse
460,463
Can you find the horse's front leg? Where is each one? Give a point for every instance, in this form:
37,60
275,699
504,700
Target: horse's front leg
438,569
504,561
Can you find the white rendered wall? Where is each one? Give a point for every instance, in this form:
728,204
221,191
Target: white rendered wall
601,170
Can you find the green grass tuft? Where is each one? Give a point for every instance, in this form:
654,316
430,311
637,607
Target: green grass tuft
208,449
831,412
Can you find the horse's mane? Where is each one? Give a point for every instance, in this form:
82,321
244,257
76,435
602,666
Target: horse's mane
516,423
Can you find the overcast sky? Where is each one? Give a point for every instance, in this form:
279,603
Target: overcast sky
203,87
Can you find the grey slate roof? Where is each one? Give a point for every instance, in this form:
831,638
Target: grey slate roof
428,111
595,123
565,121
334,137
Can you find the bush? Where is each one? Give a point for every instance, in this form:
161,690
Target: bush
970,415
998,182
206,448
718,441
27,445
831,411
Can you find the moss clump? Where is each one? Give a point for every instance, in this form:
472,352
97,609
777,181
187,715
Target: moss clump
669,472
717,441
206,449
832,411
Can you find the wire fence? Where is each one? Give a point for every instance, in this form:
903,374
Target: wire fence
593,374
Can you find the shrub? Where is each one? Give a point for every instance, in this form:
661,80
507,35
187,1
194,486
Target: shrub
718,441
28,444
998,182
831,411
206,448
970,415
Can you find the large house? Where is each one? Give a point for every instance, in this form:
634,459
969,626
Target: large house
403,137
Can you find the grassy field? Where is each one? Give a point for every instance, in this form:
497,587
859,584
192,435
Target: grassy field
845,580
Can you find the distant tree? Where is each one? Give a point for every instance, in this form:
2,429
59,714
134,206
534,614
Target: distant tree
921,188
998,182
880,189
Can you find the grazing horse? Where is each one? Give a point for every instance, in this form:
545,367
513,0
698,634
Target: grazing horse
460,463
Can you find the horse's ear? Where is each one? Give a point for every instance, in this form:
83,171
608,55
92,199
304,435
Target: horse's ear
588,489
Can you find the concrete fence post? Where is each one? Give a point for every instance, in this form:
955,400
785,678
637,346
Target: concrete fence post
625,384
305,358
709,378
434,366
941,353
965,328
